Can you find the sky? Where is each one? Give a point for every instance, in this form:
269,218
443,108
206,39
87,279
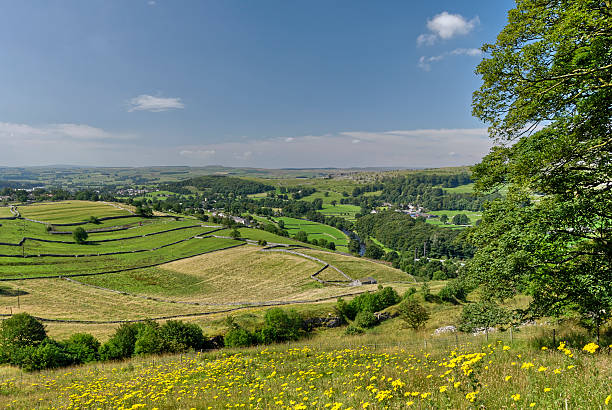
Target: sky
272,84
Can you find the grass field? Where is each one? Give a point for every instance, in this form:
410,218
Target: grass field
360,267
461,189
33,267
472,216
258,234
5,212
69,211
387,367
317,231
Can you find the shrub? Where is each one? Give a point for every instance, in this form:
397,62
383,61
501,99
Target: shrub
47,355
82,347
21,330
371,302
122,344
455,291
281,325
413,313
80,235
409,293
92,219
353,329
180,337
365,319
239,337
439,275
149,339
482,315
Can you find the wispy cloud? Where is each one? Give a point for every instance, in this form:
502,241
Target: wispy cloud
147,102
445,26
426,61
398,148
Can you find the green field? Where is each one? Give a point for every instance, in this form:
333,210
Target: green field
472,216
461,189
317,231
69,211
345,211
5,212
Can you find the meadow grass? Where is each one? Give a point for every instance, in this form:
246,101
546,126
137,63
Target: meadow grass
325,371
346,211
358,268
472,216
316,231
258,234
5,212
69,211
461,189
43,266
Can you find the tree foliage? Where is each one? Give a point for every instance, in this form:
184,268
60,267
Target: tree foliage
547,93
80,235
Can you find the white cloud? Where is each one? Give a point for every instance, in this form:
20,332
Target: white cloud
199,153
398,148
472,52
147,102
426,39
446,26
425,61
24,144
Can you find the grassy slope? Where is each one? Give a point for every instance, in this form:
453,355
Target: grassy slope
388,367
317,231
69,211
17,267
360,267
5,212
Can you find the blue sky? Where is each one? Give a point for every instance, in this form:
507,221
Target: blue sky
243,83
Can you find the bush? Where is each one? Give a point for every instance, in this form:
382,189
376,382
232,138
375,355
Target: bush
409,293
365,319
20,330
482,315
413,313
455,291
82,347
353,330
122,344
149,339
80,235
281,325
239,337
47,355
439,275
371,302
92,219
180,337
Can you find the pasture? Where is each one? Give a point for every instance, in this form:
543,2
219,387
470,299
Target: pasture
472,216
69,211
316,231
5,212
358,268
388,367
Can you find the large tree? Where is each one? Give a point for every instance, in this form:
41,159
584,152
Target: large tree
547,95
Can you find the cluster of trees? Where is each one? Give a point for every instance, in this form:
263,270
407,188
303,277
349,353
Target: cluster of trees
370,302
425,191
56,194
279,326
24,343
218,184
404,233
